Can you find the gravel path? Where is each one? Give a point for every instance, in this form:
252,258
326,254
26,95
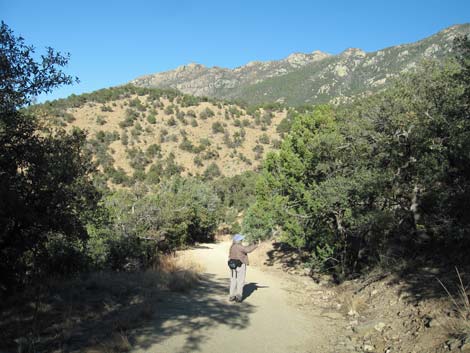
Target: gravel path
205,321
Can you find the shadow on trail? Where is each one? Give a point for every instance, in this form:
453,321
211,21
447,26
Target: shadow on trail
193,314
105,310
284,254
249,288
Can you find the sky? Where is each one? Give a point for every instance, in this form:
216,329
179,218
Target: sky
113,42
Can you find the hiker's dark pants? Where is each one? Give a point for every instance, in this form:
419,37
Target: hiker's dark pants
237,281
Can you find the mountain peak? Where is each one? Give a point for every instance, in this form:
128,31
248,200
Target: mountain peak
297,58
353,52
307,78
301,59
190,67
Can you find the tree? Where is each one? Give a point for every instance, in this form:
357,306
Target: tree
22,78
387,175
46,194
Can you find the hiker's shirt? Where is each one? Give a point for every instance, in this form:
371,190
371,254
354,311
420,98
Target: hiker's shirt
239,252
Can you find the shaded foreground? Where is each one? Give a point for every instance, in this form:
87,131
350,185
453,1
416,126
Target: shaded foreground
158,312
204,321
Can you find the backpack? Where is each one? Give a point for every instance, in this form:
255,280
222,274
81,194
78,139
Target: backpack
234,263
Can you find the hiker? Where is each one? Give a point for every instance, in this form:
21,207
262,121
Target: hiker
238,260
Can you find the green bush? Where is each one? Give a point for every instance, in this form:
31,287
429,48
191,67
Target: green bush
137,104
206,113
264,139
258,149
153,150
198,161
176,212
217,128
151,118
212,171
169,109
100,120
187,145
106,108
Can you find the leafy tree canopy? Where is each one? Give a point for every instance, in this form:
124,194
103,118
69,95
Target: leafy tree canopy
46,194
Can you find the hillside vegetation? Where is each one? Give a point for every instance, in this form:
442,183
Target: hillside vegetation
136,133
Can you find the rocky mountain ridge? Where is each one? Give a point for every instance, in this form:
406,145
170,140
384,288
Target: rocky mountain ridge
199,80
312,78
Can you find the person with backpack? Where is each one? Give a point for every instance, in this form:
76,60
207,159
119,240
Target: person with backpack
238,260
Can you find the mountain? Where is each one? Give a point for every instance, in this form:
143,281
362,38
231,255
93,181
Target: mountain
306,78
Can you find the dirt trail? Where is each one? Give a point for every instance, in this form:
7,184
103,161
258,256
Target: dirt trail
267,320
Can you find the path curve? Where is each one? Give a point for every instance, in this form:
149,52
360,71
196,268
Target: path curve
205,321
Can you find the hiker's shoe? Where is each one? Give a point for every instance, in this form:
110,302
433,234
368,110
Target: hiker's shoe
238,300
232,299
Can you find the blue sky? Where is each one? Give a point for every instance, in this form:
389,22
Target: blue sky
112,42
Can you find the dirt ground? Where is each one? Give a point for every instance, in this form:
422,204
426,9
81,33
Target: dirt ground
183,307
270,319
387,310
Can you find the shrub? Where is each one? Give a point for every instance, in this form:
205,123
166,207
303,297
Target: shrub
258,149
151,118
206,113
171,121
276,143
137,158
286,124
153,151
124,138
198,161
234,111
188,101
210,154
217,128
129,118
244,158
137,104
106,108
191,113
169,109
264,139
187,145
100,120
163,135
212,171
238,138
267,118
117,176
180,116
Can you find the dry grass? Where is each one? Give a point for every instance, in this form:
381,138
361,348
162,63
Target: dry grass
351,305
117,343
259,256
459,324
180,273
97,313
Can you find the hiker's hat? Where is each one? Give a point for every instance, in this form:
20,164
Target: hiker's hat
238,237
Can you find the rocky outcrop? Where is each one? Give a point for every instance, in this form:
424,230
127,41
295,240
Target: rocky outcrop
199,80
301,78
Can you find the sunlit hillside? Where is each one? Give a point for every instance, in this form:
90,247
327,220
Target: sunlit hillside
146,133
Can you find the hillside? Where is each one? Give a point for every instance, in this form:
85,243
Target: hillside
146,133
306,78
